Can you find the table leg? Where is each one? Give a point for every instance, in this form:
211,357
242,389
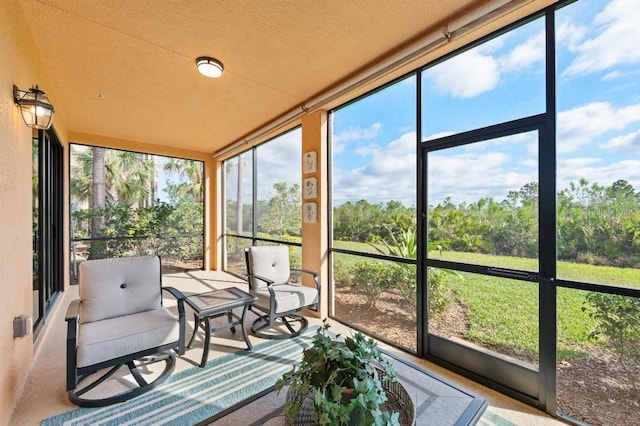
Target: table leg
207,340
244,329
230,319
196,321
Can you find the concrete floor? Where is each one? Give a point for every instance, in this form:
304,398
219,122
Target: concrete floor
44,394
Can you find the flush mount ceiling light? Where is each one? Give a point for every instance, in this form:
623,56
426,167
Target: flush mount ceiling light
209,67
36,109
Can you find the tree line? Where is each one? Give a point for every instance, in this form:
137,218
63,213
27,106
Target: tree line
595,224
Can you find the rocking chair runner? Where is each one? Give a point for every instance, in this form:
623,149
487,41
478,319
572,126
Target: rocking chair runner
119,320
279,300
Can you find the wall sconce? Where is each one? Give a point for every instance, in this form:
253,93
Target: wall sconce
37,111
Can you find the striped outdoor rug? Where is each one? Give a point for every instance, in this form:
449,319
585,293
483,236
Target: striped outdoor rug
195,395
191,396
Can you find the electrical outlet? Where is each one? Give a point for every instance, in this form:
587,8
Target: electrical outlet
21,325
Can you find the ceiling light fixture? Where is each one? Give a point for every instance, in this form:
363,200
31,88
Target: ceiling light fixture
37,111
209,67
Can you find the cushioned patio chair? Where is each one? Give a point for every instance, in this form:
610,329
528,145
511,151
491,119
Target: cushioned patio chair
269,274
119,320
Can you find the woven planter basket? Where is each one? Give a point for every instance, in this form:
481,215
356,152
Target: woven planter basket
398,400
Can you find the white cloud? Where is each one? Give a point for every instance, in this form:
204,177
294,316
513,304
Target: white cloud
611,75
594,171
352,134
390,175
278,161
357,133
478,70
612,46
469,176
578,162
625,143
570,34
466,75
366,150
525,54
579,126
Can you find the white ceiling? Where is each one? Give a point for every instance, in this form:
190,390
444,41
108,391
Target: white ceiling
139,55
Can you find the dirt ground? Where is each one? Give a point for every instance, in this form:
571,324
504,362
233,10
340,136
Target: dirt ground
594,389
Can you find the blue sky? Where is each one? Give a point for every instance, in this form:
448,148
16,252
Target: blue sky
598,103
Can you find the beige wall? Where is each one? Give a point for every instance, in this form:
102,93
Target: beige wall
315,243
20,65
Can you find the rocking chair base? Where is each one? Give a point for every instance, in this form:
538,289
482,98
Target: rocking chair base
75,396
261,323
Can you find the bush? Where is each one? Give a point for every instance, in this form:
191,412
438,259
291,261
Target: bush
405,281
372,279
342,273
439,294
618,319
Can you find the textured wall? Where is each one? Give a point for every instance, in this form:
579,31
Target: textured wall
20,65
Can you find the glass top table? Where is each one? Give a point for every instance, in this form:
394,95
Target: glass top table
214,304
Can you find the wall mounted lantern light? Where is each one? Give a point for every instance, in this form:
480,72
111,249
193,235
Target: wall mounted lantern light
37,111
209,67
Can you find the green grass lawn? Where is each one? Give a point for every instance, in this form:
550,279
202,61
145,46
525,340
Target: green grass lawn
504,313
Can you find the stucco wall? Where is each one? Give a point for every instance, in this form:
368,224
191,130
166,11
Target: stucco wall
20,65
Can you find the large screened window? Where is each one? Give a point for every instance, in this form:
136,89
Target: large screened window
481,150
126,203
514,255
263,199
598,209
504,78
373,146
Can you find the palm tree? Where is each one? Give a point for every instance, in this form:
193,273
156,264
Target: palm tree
123,177
191,172
128,177
97,187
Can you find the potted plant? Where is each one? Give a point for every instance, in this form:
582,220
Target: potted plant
339,377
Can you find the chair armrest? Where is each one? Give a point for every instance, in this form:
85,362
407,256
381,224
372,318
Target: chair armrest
315,280
306,271
266,280
180,298
175,293
72,311
312,273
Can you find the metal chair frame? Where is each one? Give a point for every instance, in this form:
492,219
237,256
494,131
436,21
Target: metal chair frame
75,374
269,319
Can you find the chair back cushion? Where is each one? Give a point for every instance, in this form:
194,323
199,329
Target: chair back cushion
271,262
115,287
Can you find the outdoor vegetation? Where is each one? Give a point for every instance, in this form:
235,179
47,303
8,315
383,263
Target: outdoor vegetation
118,208
598,241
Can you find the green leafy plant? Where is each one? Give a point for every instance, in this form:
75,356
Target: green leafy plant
372,279
618,319
405,274
333,368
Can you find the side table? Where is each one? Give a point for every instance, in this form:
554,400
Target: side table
216,303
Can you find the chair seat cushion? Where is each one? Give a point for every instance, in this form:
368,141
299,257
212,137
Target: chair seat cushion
288,297
107,339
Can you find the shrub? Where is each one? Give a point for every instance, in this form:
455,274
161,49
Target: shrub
405,282
342,273
372,279
439,294
618,319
